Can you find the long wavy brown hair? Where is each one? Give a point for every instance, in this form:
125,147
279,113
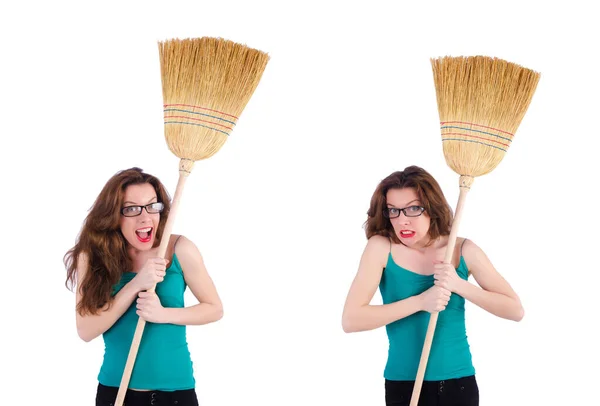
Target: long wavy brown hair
430,195
101,240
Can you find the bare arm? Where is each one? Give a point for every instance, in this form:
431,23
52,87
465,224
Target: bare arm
209,309
358,314
495,294
91,326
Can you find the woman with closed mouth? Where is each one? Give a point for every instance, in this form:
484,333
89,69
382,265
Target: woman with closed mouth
113,263
407,229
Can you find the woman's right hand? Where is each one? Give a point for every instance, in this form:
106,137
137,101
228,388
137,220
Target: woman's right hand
434,299
153,272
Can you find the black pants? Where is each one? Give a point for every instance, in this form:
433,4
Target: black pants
106,396
452,392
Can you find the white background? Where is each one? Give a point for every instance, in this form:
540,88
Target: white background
346,99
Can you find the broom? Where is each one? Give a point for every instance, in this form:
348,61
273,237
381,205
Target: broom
206,84
481,103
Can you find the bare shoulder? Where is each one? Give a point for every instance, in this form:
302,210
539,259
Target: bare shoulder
177,244
181,245
377,249
188,254
474,256
379,243
470,249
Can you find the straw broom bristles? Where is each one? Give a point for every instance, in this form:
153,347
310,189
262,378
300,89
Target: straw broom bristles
207,83
481,103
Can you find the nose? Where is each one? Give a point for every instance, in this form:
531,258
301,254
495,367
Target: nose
402,218
144,216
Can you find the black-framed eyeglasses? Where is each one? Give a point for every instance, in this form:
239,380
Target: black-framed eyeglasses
152,208
410,211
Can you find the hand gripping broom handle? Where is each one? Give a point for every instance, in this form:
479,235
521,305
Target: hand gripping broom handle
465,183
185,167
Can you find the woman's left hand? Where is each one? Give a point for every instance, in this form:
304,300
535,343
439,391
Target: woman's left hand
149,308
445,276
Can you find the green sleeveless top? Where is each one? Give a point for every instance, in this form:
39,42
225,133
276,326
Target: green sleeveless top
163,360
450,355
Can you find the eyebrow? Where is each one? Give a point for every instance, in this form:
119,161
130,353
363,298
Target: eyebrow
134,203
407,204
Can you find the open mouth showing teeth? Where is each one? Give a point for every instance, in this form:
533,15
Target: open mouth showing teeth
144,234
407,233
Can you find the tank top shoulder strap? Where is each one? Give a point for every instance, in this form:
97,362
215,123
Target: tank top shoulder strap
175,245
172,250
461,246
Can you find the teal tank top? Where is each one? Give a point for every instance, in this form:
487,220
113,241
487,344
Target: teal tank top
163,360
450,355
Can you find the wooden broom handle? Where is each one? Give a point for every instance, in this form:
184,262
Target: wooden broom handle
185,168
465,183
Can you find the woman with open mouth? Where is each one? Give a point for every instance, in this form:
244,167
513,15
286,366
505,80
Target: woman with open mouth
407,228
113,264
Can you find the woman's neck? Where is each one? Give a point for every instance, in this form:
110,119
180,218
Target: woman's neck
138,257
428,245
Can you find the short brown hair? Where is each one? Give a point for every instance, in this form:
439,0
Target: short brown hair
430,194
